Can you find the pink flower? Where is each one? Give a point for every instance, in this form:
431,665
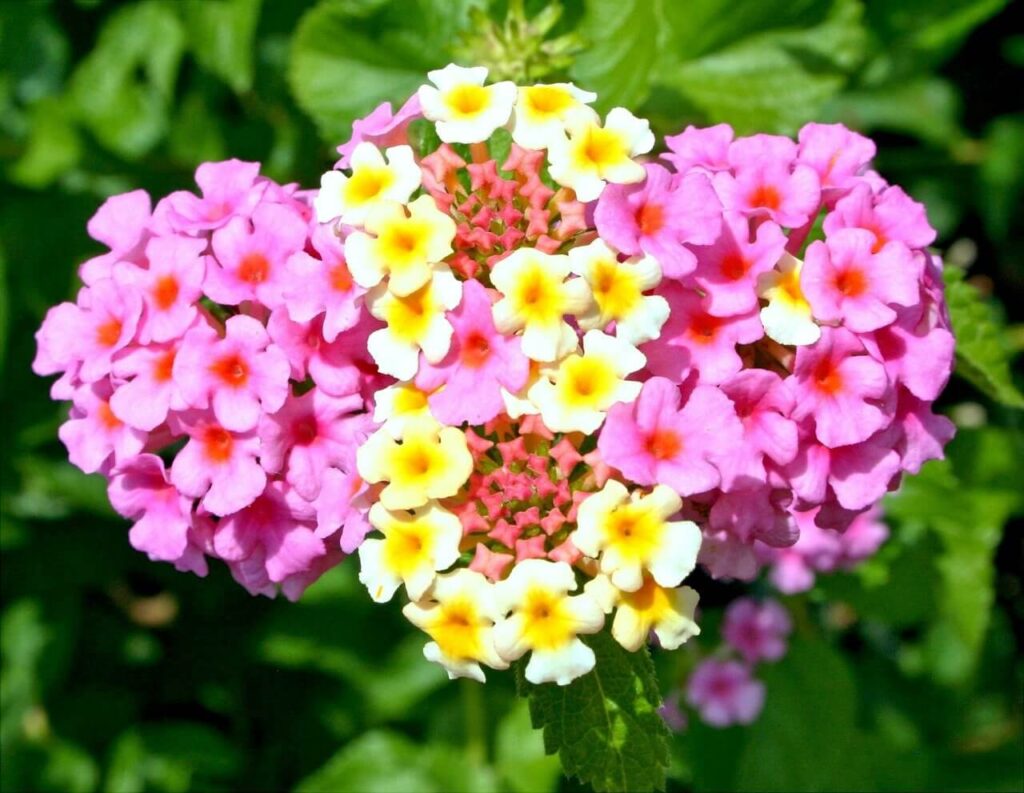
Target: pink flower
890,216
343,504
56,340
724,693
757,631
756,151
479,362
727,270
109,314
839,388
654,441
925,434
170,287
837,154
756,512
657,216
340,367
693,339
93,434
381,127
306,437
140,491
697,147
770,189
847,279
218,466
243,373
150,391
323,285
267,541
917,350
229,188
251,258
763,404
121,223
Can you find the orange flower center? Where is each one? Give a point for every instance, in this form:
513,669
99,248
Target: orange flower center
650,218
475,350
232,370
109,332
253,268
663,444
340,278
163,366
217,444
165,292
765,196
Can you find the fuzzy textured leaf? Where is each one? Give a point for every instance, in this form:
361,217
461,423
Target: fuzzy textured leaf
605,725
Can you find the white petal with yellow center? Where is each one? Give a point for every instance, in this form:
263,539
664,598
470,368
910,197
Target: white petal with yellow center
546,621
415,546
464,109
428,462
536,299
415,322
458,613
576,395
399,404
667,611
374,180
541,112
632,533
519,404
595,154
407,244
787,317
618,289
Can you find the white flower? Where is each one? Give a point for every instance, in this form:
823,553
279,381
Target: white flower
537,297
414,322
546,621
576,394
373,181
541,112
632,533
668,611
459,613
466,111
406,248
593,155
618,289
398,405
787,317
416,544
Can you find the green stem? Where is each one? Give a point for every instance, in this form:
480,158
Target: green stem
475,722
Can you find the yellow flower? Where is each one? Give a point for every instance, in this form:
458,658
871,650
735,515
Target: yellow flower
373,182
464,109
428,462
416,544
593,155
541,112
536,298
668,611
577,393
397,405
459,613
406,247
633,534
787,317
415,322
618,289
546,621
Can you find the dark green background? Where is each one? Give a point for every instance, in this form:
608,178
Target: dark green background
120,674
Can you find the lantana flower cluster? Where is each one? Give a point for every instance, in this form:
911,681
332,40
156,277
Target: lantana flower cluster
528,371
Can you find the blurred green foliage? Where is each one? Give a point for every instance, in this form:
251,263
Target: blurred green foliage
119,674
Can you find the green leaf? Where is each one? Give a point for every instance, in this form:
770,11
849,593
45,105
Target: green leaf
982,356
170,757
605,725
774,81
382,761
338,72
623,38
53,147
122,90
927,108
1002,175
221,34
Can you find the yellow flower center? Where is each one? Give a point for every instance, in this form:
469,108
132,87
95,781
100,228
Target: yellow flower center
367,183
547,621
650,601
634,531
457,629
409,317
403,243
537,298
586,382
467,101
408,400
546,101
408,546
616,290
788,290
600,148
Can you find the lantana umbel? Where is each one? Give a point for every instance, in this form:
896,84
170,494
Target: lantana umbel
530,373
